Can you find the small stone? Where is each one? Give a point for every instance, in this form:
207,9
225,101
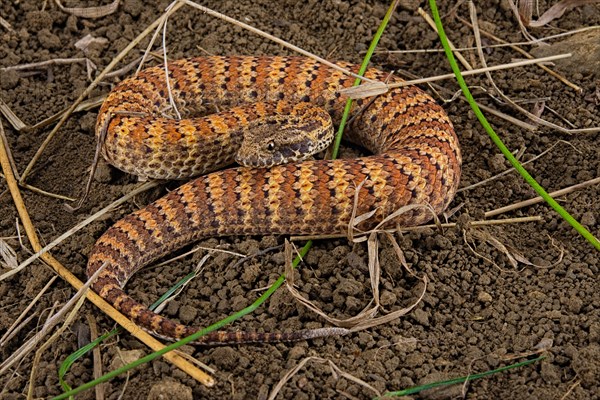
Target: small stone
9,80
484,297
225,357
297,352
422,317
124,357
167,389
187,314
48,40
387,298
588,218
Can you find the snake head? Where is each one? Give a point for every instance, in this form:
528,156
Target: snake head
283,139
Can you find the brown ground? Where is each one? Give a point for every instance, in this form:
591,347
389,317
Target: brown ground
474,312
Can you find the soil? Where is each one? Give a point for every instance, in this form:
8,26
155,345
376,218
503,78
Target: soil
479,311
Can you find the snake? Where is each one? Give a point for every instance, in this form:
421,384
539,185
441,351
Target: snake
155,125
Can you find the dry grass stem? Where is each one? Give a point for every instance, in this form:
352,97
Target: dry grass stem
195,249
17,325
514,257
196,362
10,116
45,64
431,23
515,46
99,389
335,370
90,12
570,390
522,26
508,171
91,87
258,254
356,92
124,70
367,313
30,230
8,256
28,346
4,23
538,199
366,318
501,43
273,38
515,106
458,94
68,320
45,193
556,11
505,221
79,226
83,106
177,292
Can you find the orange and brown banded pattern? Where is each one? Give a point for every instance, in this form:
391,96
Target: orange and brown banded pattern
416,160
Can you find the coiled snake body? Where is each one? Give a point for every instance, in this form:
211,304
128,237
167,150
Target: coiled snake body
416,160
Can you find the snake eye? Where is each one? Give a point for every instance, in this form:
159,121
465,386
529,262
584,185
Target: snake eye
271,146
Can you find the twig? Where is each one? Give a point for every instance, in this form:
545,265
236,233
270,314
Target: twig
538,199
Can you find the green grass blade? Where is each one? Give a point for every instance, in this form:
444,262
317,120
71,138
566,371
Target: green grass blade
79,353
498,142
420,388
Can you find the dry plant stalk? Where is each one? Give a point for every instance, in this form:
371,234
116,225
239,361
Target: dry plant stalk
482,60
525,11
38,354
515,46
371,89
366,318
509,170
335,370
29,345
504,221
99,389
17,325
514,257
539,199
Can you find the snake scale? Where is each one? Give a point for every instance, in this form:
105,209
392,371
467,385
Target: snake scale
416,160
